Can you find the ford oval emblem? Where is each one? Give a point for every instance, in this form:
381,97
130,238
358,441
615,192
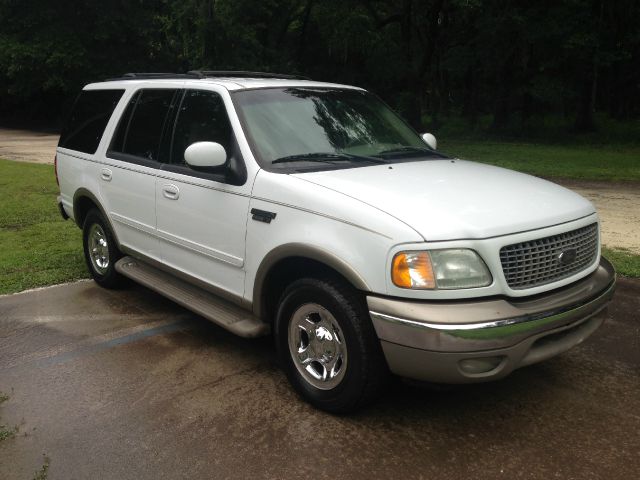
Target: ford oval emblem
567,256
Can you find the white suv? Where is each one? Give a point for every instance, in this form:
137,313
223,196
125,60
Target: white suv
275,203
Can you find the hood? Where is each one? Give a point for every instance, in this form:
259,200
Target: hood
457,199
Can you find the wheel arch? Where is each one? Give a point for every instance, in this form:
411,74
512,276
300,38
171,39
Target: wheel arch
291,261
83,201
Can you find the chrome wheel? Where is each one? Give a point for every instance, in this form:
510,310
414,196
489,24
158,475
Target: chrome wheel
98,249
317,346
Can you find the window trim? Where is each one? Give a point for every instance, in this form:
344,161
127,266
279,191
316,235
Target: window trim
136,96
134,159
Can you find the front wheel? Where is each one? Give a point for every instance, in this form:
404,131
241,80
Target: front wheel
327,345
100,251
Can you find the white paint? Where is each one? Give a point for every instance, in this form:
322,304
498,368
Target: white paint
430,140
205,154
361,215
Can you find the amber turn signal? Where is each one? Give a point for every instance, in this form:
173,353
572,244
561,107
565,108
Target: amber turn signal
413,270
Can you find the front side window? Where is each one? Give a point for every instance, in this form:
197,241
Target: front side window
140,128
325,127
202,117
88,119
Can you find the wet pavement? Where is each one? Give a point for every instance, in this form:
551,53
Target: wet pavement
127,385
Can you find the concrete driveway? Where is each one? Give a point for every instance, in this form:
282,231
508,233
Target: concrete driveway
127,385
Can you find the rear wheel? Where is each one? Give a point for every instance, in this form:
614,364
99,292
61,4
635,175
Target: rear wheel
100,250
327,345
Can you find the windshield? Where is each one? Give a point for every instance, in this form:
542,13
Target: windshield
327,128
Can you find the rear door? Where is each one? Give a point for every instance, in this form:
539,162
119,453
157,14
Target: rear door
202,214
128,176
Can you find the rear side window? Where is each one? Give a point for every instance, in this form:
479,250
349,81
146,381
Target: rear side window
140,128
88,119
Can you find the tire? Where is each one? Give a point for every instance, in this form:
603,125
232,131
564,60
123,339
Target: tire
100,251
327,345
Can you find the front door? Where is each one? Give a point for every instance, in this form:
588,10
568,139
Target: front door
202,215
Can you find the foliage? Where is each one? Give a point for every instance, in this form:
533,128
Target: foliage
510,60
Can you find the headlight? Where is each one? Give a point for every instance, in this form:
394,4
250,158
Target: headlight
444,269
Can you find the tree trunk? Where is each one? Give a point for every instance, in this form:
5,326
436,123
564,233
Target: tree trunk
470,103
589,88
502,106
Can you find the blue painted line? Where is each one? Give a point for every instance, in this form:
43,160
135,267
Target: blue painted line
99,347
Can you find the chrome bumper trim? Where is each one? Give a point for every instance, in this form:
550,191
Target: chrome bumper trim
444,326
490,324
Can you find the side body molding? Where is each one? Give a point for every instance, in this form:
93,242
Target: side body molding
292,250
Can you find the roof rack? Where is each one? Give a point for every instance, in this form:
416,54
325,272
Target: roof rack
150,76
206,74
245,74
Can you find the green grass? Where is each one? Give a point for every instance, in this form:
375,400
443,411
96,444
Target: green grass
577,161
37,247
44,470
5,431
625,262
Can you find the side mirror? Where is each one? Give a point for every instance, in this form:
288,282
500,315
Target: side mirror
205,154
430,140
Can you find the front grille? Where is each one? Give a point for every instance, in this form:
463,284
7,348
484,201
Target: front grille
536,262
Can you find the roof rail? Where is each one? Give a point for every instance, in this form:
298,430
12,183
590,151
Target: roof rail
206,74
151,76
245,74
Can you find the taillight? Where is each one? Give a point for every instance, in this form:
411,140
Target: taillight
55,168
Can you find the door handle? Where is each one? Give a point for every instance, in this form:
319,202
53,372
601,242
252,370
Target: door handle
170,191
105,174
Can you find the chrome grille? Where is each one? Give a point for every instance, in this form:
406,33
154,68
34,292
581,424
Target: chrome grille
536,262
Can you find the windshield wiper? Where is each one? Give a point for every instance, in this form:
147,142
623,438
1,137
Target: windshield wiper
328,157
409,149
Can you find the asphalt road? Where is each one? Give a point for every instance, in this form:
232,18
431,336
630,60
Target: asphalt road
127,385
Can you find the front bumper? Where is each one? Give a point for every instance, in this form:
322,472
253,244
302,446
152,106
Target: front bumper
464,342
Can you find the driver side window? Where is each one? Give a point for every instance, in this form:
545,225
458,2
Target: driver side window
202,117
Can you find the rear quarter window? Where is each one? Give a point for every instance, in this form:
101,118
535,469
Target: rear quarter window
88,119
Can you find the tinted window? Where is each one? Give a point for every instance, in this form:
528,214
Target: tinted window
202,118
117,143
88,119
140,128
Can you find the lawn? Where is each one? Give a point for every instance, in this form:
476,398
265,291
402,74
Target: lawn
626,263
582,162
37,247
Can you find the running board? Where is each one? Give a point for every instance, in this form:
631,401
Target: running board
219,311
